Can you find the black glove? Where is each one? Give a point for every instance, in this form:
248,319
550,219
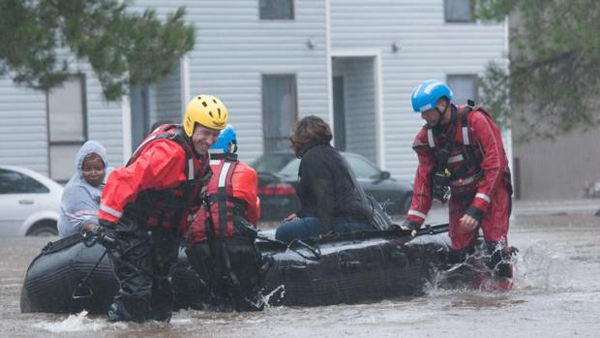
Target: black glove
410,225
407,225
106,235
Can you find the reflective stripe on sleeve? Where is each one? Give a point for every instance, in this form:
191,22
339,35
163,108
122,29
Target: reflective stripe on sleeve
484,197
110,211
417,213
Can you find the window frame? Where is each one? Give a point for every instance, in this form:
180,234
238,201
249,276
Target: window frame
262,17
294,117
471,18
475,86
84,137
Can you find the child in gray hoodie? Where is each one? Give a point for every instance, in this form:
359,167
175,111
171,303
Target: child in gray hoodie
81,197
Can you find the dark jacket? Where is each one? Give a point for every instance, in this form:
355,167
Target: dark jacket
325,188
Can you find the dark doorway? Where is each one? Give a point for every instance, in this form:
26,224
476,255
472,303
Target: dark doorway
339,114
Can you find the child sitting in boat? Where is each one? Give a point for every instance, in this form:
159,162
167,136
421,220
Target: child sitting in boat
81,197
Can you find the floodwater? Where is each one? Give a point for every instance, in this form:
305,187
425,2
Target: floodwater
556,294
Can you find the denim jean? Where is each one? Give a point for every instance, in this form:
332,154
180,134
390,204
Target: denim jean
307,227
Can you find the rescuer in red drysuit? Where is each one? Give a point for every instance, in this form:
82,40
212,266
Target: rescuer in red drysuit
221,238
147,204
461,156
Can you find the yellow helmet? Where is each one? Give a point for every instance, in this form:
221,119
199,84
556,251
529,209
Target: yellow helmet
206,110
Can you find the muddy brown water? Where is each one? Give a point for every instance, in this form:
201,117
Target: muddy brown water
557,294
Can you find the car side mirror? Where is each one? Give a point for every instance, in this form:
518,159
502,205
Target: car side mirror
384,175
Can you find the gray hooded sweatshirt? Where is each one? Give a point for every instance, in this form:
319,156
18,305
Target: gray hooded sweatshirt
80,200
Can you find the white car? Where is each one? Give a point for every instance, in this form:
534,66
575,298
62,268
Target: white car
29,203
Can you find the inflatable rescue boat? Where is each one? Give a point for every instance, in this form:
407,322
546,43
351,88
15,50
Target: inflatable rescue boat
67,276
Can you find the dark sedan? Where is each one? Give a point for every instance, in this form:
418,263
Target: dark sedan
278,176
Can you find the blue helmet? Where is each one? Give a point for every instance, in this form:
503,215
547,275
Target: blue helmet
226,137
428,93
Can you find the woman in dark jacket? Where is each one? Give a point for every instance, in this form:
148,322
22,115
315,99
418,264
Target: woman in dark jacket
330,198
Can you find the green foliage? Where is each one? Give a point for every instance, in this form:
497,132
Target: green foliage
494,87
554,72
40,39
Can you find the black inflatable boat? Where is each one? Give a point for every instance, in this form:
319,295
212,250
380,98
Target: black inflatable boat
348,268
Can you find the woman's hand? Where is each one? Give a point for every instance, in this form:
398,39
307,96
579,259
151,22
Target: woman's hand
89,227
291,218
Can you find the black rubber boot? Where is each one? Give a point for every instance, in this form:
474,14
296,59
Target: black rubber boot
500,259
135,311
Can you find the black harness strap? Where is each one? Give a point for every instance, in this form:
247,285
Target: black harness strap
441,156
471,159
221,196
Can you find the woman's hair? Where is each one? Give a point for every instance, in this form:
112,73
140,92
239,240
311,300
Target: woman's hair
311,129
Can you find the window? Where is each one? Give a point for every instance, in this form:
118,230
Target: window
272,163
280,111
12,182
463,87
66,126
458,11
362,168
291,168
276,9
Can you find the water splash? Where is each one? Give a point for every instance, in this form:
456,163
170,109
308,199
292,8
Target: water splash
540,266
486,268
279,292
74,323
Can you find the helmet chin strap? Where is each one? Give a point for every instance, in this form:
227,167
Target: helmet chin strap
441,113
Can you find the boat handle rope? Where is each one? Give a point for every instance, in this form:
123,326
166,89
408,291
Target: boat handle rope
315,251
293,247
75,294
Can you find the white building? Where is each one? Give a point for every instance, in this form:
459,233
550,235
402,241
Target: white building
352,62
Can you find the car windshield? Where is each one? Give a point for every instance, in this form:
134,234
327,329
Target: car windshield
271,163
291,168
362,168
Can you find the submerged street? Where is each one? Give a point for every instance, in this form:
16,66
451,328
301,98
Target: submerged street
556,294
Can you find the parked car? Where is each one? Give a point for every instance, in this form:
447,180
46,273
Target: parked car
29,203
278,177
594,189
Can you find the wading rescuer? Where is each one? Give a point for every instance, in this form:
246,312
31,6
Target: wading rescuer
145,207
221,238
461,157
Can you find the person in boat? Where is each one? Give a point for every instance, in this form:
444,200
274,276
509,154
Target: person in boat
330,198
146,206
461,158
222,236
81,198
